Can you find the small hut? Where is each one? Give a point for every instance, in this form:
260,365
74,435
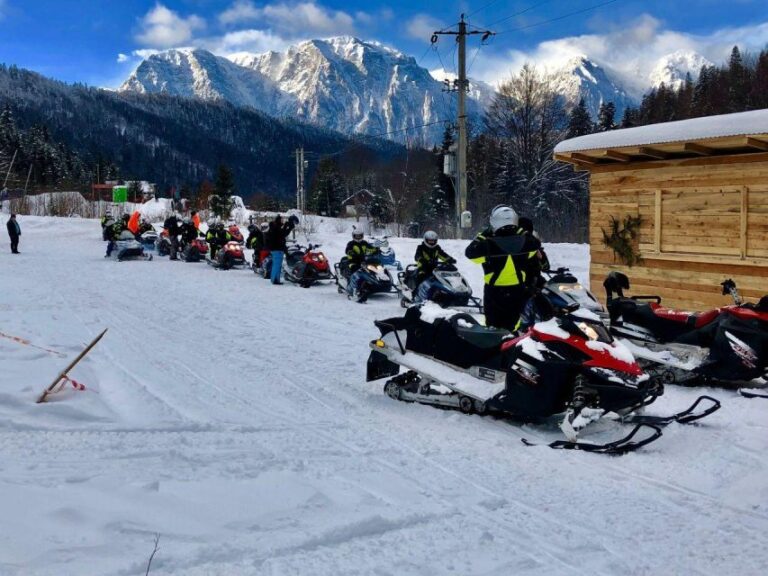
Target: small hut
684,203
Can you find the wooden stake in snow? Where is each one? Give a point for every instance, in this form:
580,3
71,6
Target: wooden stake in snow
74,363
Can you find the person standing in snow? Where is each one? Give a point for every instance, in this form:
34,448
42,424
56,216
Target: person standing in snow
171,225
511,267
14,231
275,242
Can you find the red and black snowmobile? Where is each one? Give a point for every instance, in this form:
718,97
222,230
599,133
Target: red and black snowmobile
229,256
725,346
195,250
234,232
306,266
568,369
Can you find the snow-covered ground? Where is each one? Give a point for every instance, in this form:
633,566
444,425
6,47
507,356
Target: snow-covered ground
232,418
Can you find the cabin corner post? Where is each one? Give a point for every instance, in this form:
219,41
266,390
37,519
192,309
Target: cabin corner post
657,221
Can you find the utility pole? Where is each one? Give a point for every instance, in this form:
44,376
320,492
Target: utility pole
8,174
461,86
301,166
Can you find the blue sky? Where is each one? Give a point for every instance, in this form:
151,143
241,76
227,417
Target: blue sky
101,42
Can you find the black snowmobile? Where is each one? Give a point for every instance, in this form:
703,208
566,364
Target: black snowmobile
376,278
568,369
451,290
127,247
725,346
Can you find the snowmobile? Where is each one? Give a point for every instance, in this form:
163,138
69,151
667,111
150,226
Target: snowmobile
726,346
376,278
235,233
451,291
229,256
194,251
149,240
568,370
128,248
163,244
564,290
305,265
388,257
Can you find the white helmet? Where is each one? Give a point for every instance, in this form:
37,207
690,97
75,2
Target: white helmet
430,238
502,216
357,234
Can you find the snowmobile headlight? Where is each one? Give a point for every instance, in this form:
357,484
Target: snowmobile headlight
569,287
380,344
590,332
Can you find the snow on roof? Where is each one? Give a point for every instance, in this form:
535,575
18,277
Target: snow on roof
739,124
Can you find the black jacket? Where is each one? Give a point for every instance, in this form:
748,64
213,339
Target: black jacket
14,230
357,251
188,232
508,259
255,239
172,225
428,257
276,235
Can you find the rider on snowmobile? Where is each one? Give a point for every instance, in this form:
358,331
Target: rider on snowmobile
188,232
511,267
428,255
255,239
217,236
145,226
357,251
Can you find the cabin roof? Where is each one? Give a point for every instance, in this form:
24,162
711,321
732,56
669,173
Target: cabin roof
726,134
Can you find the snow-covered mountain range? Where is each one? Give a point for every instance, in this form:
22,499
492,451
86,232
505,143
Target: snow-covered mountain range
341,83
358,87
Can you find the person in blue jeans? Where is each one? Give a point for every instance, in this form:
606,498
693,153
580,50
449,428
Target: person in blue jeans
275,242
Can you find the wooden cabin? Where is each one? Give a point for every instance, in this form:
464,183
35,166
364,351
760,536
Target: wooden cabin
700,188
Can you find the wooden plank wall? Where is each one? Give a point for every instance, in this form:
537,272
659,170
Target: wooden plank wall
714,217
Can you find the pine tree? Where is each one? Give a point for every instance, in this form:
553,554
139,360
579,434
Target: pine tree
135,192
606,117
579,121
327,188
221,201
630,117
758,95
737,82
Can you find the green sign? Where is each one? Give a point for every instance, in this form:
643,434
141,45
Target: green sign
119,194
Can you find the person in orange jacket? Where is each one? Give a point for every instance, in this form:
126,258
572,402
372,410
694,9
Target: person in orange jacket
133,222
196,219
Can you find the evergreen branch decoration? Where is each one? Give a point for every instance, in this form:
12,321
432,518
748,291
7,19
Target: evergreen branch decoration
621,239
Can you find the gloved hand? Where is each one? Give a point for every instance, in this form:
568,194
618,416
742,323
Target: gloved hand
451,261
293,219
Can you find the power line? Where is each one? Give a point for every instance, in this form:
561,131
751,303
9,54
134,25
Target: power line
563,17
520,13
488,5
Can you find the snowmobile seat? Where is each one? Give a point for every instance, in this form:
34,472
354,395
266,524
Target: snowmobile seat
458,339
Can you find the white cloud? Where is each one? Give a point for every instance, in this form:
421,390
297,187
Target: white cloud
240,11
121,58
254,41
422,26
294,19
164,28
145,53
630,51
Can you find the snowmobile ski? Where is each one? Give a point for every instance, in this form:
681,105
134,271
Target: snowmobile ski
748,393
615,448
684,417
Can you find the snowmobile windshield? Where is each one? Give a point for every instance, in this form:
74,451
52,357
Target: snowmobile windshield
593,330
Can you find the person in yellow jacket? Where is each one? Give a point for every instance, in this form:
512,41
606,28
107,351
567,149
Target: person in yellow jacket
511,266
